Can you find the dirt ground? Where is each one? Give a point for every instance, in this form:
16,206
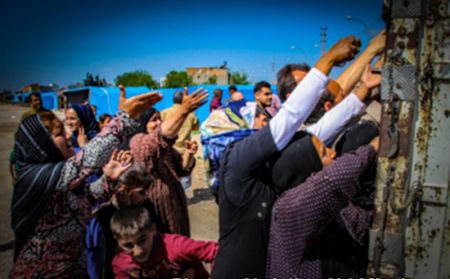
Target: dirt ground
203,211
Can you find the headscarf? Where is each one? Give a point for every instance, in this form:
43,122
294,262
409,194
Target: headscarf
143,120
359,134
295,163
88,121
40,164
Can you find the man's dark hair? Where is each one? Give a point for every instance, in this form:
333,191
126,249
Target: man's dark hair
35,94
285,80
232,87
319,110
177,97
260,85
216,91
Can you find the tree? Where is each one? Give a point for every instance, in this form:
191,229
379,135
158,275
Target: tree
178,79
136,78
239,78
212,80
90,80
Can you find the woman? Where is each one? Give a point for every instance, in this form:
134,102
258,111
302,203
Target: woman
80,121
49,213
153,150
301,214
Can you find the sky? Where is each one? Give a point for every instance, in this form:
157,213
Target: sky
54,41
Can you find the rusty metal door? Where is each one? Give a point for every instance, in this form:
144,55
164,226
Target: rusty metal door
410,235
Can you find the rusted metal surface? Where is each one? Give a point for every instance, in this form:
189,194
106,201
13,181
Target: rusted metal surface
410,235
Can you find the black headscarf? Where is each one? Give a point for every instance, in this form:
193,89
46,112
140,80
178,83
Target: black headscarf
40,164
143,120
356,136
297,161
87,119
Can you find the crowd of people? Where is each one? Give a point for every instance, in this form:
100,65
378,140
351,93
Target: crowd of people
293,177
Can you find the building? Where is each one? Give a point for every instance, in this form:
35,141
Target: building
202,75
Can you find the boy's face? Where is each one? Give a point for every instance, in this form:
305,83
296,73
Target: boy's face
140,245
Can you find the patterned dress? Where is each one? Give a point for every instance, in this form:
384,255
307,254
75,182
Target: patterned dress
55,248
301,214
167,197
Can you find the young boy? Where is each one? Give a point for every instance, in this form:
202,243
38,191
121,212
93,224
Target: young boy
149,254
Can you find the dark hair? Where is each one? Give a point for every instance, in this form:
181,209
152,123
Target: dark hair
35,94
260,85
285,80
103,117
232,87
136,176
319,110
217,90
177,97
130,220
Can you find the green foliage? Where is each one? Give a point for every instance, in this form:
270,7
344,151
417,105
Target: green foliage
178,79
90,80
239,78
136,78
212,80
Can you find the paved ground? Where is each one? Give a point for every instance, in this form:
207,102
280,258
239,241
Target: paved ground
202,209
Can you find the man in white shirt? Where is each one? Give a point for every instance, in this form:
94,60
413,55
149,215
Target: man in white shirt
246,195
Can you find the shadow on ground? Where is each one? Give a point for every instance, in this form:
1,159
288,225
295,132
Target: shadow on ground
200,195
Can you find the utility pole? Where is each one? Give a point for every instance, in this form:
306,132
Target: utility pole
323,40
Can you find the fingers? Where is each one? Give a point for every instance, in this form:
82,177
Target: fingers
196,92
114,155
81,131
185,92
122,92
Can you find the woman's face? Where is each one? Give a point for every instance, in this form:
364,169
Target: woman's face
326,154
73,122
154,121
59,138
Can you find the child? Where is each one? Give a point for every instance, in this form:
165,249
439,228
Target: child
149,254
104,119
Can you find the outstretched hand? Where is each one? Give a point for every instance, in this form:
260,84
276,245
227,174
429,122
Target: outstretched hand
120,161
195,100
134,106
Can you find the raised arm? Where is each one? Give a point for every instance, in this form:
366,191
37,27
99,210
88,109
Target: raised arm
352,106
306,95
98,151
171,126
348,79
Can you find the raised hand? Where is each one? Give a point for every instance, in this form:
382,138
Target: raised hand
378,43
195,100
369,79
345,49
134,106
120,161
82,138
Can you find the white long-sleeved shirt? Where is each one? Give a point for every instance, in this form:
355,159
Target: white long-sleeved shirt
334,120
298,107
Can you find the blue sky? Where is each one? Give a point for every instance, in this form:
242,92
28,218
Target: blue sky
49,41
